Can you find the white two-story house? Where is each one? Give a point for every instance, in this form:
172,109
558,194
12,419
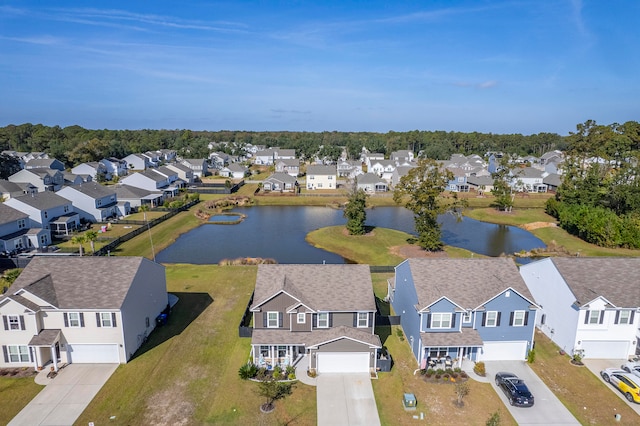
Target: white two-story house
92,201
321,177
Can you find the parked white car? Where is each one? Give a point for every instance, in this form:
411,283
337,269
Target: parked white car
631,367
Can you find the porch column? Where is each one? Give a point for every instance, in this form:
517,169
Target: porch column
54,358
460,351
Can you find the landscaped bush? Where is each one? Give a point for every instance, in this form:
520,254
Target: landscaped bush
531,356
290,372
248,371
479,369
277,372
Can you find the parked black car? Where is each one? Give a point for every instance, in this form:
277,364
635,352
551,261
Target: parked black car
516,390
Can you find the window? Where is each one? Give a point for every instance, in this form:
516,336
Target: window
623,317
66,209
466,317
43,239
73,319
518,319
311,177
264,351
282,351
301,318
105,319
13,322
21,223
18,353
323,320
319,184
272,320
441,320
363,319
491,319
330,178
594,317
46,215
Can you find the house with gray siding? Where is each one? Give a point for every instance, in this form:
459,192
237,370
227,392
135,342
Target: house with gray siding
47,210
92,201
12,189
17,232
322,315
43,179
475,309
80,310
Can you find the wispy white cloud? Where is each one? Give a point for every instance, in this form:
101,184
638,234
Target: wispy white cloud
487,84
47,40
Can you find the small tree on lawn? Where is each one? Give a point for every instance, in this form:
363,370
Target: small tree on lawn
494,420
91,236
462,390
80,240
355,212
272,390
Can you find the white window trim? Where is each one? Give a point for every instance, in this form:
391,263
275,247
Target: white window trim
516,320
466,317
109,320
443,317
366,320
627,320
594,319
18,353
269,320
71,320
302,318
325,321
495,319
16,321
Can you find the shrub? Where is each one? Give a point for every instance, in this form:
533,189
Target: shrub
248,371
399,334
431,372
440,371
479,369
423,371
277,372
531,356
494,420
446,377
457,370
290,370
261,374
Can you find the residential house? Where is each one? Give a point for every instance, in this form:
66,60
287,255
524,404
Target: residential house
481,184
368,158
13,189
459,182
92,201
553,181
80,310
349,168
383,168
325,313
175,183
321,177
44,163
184,172
198,166
476,309
115,166
289,166
16,232
43,179
218,160
402,157
589,306
282,182
166,155
97,170
137,197
269,156
529,179
150,181
137,162
153,157
398,173
371,183
47,210
235,171
552,156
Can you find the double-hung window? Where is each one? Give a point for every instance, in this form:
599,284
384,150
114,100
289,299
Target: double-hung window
518,319
491,319
301,317
466,317
594,317
363,319
74,319
18,353
323,320
13,322
441,320
106,319
272,320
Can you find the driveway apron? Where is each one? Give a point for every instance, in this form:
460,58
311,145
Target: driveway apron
65,396
548,410
346,399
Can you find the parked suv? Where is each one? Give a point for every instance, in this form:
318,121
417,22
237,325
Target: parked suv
516,390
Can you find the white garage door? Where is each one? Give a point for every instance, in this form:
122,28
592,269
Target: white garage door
606,349
503,351
343,362
93,354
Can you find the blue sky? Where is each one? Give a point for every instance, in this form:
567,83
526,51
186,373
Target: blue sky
489,66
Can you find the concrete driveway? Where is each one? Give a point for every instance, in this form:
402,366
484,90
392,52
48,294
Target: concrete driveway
346,399
548,410
597,365
65,396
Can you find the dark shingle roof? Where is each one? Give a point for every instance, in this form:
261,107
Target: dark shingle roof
79,282
323,287
132,192
43,200
263,336
466,282
615,279
93,190
466,337
321,170
9,214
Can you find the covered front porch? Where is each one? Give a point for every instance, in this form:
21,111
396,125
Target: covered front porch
45,348
270,356
449,350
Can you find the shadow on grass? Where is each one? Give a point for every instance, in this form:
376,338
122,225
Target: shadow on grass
188,308
383,331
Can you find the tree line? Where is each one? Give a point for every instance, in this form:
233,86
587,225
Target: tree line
74,144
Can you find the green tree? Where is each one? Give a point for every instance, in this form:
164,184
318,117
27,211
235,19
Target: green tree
420,190
462,390
355,211
91,236
79,240
8,166
272,390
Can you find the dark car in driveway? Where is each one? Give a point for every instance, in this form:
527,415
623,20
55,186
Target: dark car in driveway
516,390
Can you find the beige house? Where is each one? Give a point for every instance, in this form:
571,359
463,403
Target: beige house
321,177
80,310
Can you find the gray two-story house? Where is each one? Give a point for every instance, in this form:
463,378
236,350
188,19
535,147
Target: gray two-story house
321,315
47,210
16,232
92,201
474,309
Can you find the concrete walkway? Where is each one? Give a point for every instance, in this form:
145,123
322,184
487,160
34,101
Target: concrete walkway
65,396
597,365
346,400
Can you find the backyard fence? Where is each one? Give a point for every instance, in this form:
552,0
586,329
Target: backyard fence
244,328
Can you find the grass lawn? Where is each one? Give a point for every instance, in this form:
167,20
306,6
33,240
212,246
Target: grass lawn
589,400
115,231
517,217
187,372
15,393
